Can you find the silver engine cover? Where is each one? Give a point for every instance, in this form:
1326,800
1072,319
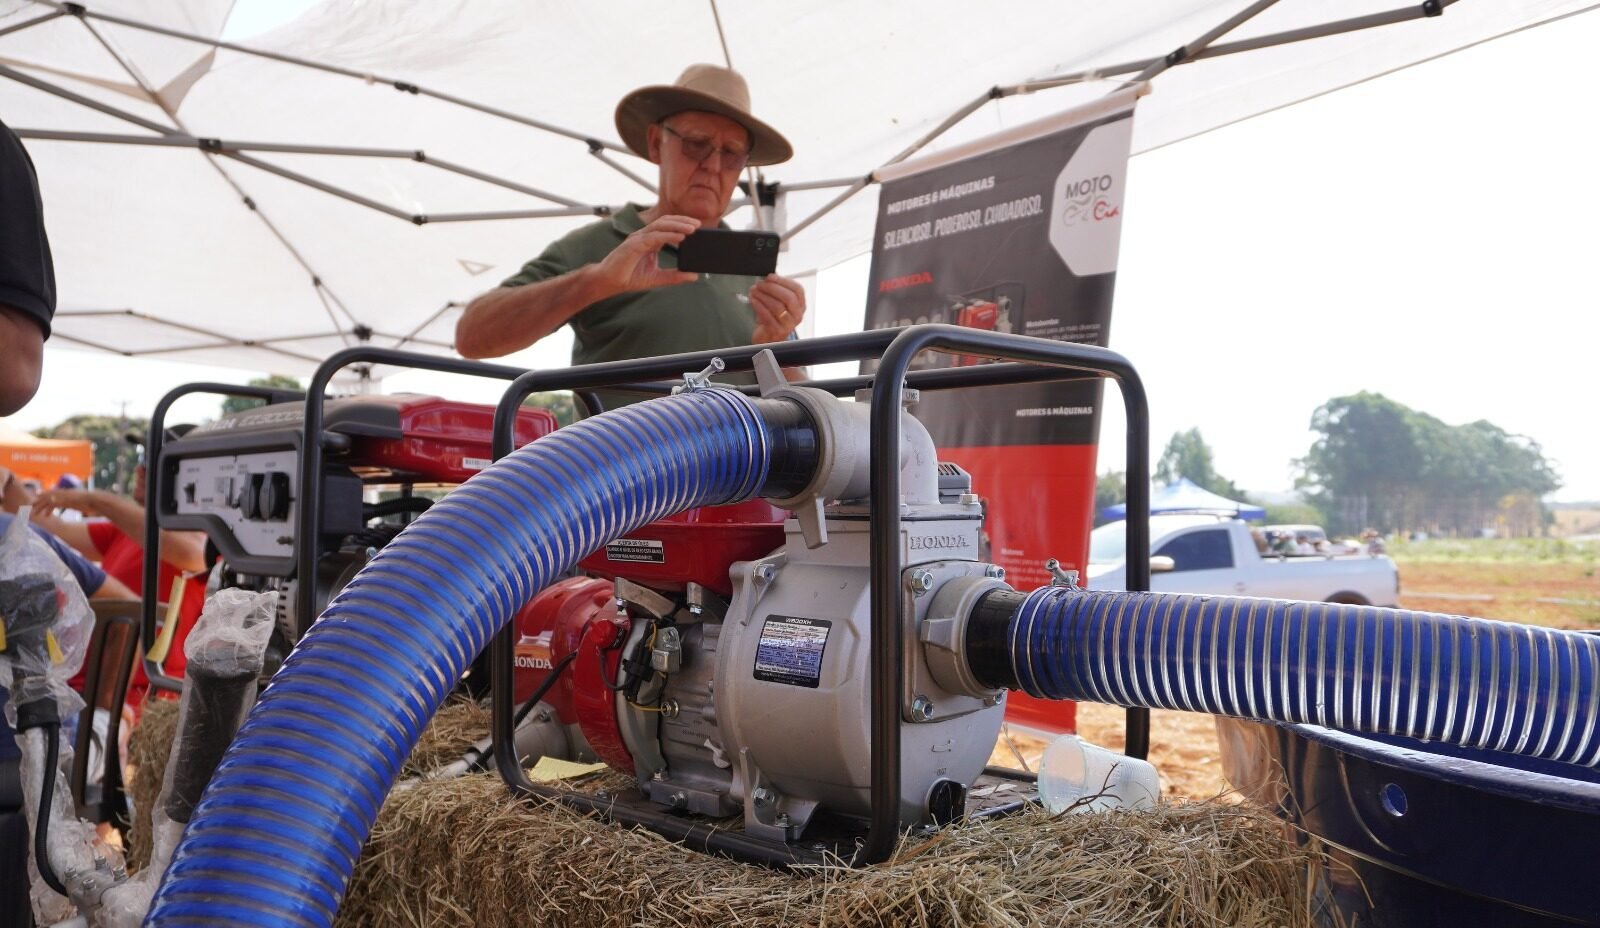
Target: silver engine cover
769,712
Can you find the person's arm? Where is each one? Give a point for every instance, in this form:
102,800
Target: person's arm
75,534
184,550
508,319
13,496
21,358
113,588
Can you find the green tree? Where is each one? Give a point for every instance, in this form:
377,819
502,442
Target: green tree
1365,466
1379,463
1188,455
114,456
233,404
558,403
1110,488
1293,514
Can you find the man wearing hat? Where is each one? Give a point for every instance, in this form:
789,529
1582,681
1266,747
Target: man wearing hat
616,281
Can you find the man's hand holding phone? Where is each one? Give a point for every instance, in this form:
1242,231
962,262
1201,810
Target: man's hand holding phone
635,264
779,304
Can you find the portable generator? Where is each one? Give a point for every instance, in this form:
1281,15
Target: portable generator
238,480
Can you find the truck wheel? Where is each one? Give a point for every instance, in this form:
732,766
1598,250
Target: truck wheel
1349,599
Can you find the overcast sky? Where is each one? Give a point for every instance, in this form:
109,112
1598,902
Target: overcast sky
1430,235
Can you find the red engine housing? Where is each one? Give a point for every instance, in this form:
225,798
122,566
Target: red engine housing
579,615
696,546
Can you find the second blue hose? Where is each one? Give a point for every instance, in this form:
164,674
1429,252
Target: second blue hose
1478,683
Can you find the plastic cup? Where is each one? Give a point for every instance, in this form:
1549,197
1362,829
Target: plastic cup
1079,776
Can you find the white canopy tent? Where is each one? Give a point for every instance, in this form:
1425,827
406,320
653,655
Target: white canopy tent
263,207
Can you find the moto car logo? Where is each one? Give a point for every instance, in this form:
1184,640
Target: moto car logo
1086,207
1083,195
933,542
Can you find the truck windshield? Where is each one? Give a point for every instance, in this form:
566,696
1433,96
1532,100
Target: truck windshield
1108,544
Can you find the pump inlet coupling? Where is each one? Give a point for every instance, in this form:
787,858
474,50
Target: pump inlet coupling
1472,682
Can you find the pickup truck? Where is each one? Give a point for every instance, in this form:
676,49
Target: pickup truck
1210,554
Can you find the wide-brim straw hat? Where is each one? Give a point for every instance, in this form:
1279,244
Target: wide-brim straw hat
707,88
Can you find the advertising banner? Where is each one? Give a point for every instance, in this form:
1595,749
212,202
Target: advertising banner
1014,233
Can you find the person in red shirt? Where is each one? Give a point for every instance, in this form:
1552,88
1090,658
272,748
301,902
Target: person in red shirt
115,537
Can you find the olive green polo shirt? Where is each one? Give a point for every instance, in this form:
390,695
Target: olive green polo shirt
712,312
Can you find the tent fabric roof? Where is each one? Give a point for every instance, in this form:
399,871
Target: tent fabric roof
220,258
1184,495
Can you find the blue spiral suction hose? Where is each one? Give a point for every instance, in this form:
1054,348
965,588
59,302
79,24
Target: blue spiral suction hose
1478,683
278,831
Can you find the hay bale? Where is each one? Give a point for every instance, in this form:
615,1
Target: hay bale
458,724
147,756
464,852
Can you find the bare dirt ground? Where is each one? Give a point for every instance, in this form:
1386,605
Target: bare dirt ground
1183,745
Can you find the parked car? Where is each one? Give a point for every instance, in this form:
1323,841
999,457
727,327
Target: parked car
1211,554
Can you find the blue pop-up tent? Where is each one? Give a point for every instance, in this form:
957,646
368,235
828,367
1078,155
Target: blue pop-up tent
1184,495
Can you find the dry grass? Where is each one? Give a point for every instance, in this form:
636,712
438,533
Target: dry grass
465,853
147,756
1559,594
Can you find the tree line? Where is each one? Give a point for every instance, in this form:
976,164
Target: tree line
1381,463
1377,463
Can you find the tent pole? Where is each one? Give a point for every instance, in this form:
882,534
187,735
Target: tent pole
464,171
859,185
622,170
400,340
32,22
315,184
1183,52
224,146
404,86
829,206
184,140
1325,30
589,140
820,184
433,218
65,94
222,341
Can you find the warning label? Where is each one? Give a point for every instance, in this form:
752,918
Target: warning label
790,650
637,550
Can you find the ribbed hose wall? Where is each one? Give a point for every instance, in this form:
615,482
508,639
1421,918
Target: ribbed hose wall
275,838
1471,682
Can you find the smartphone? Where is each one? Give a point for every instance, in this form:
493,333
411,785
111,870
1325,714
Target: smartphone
724,251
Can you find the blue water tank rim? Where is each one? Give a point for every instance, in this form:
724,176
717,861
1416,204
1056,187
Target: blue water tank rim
1496,772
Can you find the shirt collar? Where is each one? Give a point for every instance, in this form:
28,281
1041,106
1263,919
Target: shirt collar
628,221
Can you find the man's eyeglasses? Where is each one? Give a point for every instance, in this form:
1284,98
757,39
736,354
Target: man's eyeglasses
700,149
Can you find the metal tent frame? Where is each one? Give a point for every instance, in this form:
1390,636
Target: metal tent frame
350,330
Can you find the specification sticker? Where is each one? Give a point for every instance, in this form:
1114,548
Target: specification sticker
637,550
790,650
